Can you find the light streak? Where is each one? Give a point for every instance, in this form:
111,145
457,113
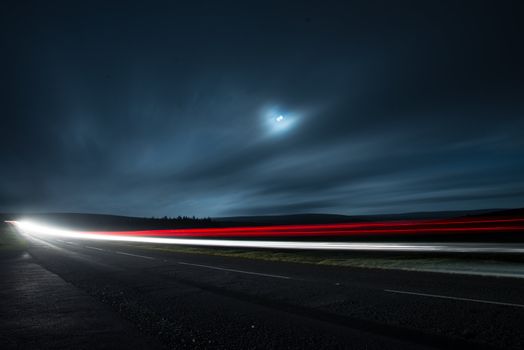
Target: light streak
35,229
469,226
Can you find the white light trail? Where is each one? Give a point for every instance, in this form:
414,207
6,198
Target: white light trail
36,229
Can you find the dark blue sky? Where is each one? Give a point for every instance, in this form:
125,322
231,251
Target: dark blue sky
165,108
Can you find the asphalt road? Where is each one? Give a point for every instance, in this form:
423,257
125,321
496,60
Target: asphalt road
199,301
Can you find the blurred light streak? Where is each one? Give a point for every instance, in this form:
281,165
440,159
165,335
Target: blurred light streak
386,228
36,229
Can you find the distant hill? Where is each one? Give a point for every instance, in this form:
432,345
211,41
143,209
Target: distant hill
102,222
81,221
292,219
333,218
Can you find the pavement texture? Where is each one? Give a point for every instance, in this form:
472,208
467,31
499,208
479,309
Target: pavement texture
41,311
193,301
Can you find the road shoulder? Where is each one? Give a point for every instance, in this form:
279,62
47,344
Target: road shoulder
41,310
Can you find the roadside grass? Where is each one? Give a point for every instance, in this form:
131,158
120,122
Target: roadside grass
10,241
479,264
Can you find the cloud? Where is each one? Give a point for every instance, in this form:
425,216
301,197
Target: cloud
157,110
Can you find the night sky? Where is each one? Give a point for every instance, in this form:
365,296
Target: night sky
164,108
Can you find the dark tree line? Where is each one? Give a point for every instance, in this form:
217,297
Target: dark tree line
183,219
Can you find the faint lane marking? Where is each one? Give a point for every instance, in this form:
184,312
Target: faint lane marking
95,248
454,298
138,256
238,271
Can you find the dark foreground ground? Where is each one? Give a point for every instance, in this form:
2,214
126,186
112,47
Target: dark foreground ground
66,294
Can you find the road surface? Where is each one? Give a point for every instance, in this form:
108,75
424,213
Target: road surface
199,301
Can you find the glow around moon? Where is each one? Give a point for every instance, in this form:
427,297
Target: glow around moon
276,122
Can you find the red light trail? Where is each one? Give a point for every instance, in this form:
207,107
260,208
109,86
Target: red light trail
225,237
386,228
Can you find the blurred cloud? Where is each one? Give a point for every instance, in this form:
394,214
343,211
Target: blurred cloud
166,109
